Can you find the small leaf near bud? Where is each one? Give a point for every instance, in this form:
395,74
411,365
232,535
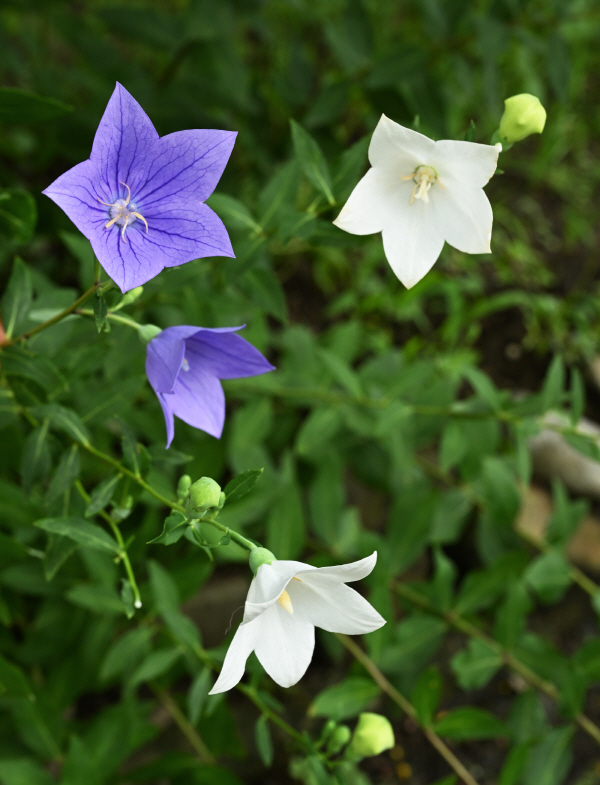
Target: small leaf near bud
259,556
523,115
373,734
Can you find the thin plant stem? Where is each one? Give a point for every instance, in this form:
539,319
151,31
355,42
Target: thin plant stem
124,556
202,752
114,317
509,659
407,707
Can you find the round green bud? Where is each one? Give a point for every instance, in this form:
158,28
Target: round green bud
523,115
148,331
260,556
131,296
221,503
183,486
204,494
338,739
373,734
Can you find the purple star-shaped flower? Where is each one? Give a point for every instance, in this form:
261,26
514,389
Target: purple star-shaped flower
139,198
184,365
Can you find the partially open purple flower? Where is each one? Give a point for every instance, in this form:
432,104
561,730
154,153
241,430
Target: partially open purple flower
184,365
139,198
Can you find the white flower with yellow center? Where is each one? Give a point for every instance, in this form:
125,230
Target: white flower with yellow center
420,193
286,601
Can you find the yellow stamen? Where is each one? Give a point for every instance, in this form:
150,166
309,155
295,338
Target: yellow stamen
285,602
111,222
137,215
128,193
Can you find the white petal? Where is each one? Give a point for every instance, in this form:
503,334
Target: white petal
395,147
355,571
464,162
412,241
464,218
285,646
363,212
333,606
270,581
242,645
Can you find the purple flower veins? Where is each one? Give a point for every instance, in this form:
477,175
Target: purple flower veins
139,198
184,366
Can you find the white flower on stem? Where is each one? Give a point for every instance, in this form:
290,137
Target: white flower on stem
286,601
420,193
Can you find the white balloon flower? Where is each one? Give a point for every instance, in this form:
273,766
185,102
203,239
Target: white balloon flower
419,193
286,601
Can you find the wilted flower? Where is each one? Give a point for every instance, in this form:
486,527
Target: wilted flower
139,198
286,601
184,365
420,193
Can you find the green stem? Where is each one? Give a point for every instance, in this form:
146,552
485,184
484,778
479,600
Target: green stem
137,600
462,624
114,317
407,707
186,727
272,715
235,536
59,316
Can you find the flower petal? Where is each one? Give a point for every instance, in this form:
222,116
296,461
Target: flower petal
164,355
355,571
412,242
178,235
364,211
285,645
394,147
333,606
465,163
240,648
122,140
198,400
226,355
168,414
77,193
188,164
270,581
464,218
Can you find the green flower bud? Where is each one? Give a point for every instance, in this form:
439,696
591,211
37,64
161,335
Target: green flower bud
148,331
204,494
523,115
183,486
221,503
373,734
260,556
338,739
130,297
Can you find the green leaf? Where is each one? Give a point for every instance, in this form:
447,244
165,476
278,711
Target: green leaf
164,589
341,372
58,551
319,428
426,695
468,723
453,445
550,759
475,665
444,579
18,214
312,160
126,652
514,766
65,475
13,681
198,694
577,396
549,575
155,664
65,420
23,771
241,485
81,531
484,387
101,495
266,291
416,640
264,742
554,384
470,132
511,615
129,446
100,310
173,529
286,529
500,491
21,106
450,517
17,297
18,361
527,721
35,462
345,700
182,628
96,598
234,213
353,162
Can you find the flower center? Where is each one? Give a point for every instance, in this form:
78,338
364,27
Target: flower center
424,177
285,602
123,212
185,365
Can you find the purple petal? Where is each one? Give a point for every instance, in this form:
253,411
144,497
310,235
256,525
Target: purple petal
169,419
122,141
226,355
178,235
77,193
186,163
198,400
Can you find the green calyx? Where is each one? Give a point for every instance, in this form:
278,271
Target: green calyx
259,556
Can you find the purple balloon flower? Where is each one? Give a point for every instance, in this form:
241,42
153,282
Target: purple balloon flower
184,365
139,198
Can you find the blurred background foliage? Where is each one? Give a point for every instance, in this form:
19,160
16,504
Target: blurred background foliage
397,420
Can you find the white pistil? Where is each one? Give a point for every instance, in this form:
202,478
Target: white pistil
285,602
123,213
185,365
424,177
